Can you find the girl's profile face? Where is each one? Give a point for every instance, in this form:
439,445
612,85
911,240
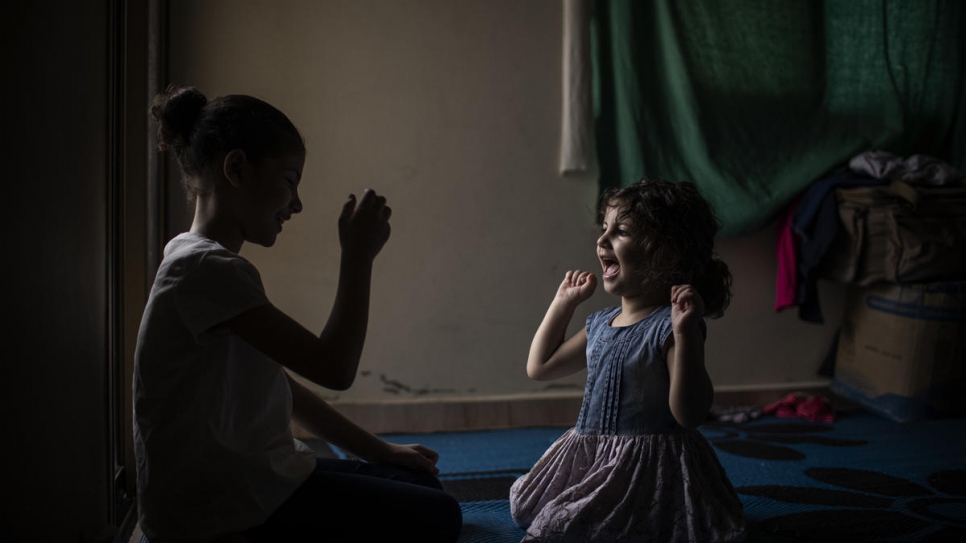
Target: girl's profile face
620,254
272,198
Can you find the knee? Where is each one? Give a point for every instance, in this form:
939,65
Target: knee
233,538
431,481
450,519
422,478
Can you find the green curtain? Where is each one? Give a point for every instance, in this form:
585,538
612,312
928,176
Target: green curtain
753,100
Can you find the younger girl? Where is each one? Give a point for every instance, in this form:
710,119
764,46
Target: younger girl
635,468
216,459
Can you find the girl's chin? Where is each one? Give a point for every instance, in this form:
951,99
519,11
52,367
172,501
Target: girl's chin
618,288
264,241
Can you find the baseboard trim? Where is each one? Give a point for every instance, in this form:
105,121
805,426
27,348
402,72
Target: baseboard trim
460,414
517,411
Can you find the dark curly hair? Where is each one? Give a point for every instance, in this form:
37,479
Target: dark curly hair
675,228
200,131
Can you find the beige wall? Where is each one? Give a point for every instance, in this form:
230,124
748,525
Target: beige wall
451,109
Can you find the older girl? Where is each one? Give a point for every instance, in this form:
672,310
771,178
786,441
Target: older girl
216,459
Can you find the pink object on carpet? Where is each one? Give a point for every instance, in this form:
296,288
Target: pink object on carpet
804,406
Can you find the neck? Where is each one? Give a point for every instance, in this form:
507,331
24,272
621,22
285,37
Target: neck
636,308
206,223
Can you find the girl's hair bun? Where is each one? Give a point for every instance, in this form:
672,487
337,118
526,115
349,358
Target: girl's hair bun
176,111
199,132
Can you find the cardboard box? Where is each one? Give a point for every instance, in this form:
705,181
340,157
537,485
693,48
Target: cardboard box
902,349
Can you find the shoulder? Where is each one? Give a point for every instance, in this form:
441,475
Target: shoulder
661,324
188,245
203,257
602,317
205,284
662,313
665,329
199,268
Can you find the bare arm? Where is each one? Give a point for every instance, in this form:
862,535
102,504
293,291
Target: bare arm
317,416
692,392
550,356
331,358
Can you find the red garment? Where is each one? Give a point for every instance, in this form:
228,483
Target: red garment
796,404
786,253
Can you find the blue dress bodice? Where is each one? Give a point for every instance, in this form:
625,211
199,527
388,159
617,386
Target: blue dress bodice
627,377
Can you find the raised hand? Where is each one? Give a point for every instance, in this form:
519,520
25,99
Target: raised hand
576,287
364,225
687,307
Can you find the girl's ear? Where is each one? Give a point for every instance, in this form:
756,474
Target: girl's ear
234,166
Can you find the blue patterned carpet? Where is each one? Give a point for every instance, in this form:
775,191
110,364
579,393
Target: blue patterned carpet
862,478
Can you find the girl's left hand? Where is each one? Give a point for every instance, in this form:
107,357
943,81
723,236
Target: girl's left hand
412,456
687,307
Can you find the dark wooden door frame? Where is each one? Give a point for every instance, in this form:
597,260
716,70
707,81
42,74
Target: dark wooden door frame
135,188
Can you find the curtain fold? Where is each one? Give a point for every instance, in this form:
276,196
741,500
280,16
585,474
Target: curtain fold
755,100
577,118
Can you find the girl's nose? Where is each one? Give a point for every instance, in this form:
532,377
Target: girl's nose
603,240
296,204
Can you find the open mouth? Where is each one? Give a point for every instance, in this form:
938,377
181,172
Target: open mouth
611,268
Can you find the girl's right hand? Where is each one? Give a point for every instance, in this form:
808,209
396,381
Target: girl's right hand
576,287
364,226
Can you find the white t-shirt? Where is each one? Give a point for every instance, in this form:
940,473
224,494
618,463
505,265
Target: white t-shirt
212,439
